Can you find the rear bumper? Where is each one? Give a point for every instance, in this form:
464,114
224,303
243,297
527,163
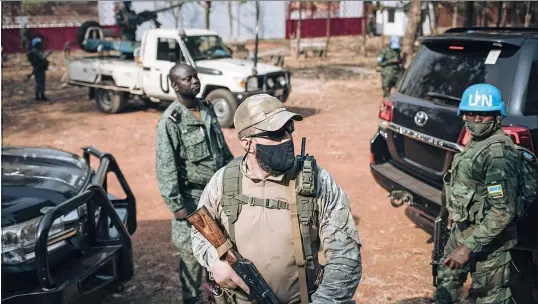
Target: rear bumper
89,279
426,198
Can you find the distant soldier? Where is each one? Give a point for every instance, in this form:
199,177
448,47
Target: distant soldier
25,36
391,65
190,149
127,21
486,189
40,65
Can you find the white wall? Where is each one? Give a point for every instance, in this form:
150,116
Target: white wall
272,18
400,22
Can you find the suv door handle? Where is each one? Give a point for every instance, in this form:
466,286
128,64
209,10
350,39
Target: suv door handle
158,70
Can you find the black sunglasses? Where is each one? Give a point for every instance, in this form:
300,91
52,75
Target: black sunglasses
280,133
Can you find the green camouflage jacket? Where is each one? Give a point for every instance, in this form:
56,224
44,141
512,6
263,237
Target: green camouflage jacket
483,194
188,152
384,58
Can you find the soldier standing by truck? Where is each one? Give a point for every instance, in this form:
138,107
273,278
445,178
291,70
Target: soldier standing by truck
40,64
127,21
190,149
484,196
278,210
391,65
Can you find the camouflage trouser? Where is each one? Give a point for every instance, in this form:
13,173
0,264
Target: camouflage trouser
39,84
390,80
190,271
490,273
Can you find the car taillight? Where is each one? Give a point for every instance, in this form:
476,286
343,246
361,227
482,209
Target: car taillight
520,135
385,110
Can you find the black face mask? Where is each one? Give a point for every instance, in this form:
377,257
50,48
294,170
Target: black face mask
276,159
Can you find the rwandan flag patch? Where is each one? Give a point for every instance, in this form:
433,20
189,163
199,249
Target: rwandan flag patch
495,191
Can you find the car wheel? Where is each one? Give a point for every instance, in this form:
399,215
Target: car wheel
109,101
224,104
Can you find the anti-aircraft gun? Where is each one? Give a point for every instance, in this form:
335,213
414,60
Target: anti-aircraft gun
91,37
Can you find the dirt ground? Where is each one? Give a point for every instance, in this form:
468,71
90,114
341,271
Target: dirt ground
340,106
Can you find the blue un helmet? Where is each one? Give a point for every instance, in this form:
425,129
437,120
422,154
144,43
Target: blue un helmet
35,41
482,97
394,42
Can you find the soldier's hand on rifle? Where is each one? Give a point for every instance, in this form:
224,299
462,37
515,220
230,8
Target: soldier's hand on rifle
458,258
225,276
181,214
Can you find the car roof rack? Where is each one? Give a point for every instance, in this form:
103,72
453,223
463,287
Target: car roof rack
492,29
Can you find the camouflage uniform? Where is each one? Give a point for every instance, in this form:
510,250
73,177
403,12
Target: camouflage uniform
40,65
390,72
263,232
25,37
188,153
481,199
126,19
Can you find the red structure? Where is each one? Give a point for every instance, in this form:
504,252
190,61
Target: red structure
54,38
314,20
54,22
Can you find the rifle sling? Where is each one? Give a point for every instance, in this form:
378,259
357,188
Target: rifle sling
299,255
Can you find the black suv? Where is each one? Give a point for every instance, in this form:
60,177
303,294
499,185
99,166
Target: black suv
64,238
419,130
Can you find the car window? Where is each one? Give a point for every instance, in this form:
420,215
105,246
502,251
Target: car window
531,106
168,50
441,71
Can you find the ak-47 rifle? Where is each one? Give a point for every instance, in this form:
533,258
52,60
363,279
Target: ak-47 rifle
440,237
47,54
206,225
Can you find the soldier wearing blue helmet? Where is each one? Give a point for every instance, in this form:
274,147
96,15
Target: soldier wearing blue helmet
390,63
481,197
40,65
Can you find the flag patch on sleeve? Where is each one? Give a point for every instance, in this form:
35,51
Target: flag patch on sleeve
495,191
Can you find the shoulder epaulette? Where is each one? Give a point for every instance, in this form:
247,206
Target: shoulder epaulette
174,115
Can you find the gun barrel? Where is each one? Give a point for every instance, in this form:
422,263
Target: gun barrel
166,8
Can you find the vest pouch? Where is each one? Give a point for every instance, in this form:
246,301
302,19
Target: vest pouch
194,140
447,180
458,202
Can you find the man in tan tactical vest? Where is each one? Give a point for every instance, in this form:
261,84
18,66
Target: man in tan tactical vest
280,212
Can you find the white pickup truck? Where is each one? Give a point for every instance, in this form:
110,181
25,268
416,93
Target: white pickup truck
225,81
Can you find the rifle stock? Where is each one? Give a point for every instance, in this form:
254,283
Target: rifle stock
260,291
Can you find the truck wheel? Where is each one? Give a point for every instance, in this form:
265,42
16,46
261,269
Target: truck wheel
224,104
110,102
82,32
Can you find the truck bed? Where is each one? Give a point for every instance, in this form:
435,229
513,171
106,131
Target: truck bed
125,73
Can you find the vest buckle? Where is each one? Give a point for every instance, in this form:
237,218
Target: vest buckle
251,201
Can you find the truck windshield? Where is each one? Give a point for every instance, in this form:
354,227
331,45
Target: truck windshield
207,47
441,71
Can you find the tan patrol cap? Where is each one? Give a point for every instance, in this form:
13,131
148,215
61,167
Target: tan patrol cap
262,112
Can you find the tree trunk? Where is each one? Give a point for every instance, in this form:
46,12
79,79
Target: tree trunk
504,19
207,13
298,31
432,18
484,14
513,22
364,30
329,29
468,19
499,13
455,15
230,20
528,15
382,26
413,19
